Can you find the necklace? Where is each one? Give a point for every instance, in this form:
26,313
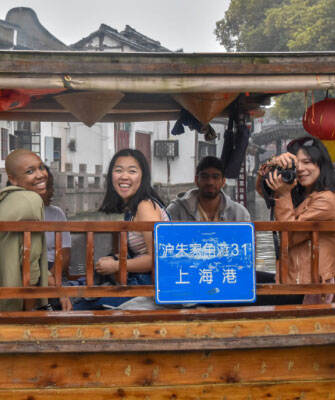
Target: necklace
206,217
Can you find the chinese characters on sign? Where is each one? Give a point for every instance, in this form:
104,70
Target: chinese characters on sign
204,262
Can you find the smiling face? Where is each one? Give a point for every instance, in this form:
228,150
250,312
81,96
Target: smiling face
126,177
307,171
28,171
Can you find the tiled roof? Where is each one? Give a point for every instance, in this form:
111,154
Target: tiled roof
279,131
31,33
129,37
143,40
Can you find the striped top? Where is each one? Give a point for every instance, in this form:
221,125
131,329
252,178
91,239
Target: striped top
136,242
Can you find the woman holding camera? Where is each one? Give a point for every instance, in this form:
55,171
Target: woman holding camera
310,197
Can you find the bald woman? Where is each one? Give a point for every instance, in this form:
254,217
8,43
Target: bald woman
22,202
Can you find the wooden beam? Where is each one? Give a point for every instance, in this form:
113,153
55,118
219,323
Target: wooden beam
227,83
68,117
91,346
312,390
134,107
130,102
157,369
117,226
303,328
68,63
167,335
36,292
199,314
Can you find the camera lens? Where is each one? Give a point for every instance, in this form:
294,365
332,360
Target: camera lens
288,175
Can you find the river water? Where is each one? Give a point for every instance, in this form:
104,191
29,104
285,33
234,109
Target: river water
265,253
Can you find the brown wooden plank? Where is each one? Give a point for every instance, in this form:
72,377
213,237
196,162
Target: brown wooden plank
153,259
135,102
32,342
123,259
314,390
268,289
94,370
117,226
144,290
89,258
26,259
200,314
165,345
284,257
58,258
315,257
303,329
109,117
77,291
166,64
76,226
294,226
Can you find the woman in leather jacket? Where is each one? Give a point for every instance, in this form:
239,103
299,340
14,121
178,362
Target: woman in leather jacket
310,197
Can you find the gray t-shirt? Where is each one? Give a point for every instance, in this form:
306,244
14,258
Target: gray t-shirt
53,213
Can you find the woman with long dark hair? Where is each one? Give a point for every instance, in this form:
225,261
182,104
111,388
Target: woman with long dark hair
129,191
310,197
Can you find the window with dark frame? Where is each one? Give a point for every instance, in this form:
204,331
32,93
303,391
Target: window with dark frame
28,140
12,142
206,149
4,143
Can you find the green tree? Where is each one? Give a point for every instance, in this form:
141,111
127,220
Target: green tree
279,25
291,106
242,28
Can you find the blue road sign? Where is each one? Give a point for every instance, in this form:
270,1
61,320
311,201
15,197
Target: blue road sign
205,262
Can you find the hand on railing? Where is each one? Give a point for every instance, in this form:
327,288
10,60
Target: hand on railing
66,304
107,265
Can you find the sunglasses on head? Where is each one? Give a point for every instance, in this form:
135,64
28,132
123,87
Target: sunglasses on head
306,142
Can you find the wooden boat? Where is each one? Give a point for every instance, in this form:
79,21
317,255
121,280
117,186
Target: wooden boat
268,352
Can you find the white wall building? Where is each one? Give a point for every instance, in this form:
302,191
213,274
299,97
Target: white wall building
74,144
79,144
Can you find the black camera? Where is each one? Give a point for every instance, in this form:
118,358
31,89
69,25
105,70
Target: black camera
288,174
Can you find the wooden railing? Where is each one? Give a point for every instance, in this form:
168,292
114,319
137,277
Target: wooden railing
120,230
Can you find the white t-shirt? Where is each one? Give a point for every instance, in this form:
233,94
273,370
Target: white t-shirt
53,213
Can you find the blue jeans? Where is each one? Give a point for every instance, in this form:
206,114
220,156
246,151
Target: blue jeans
98,304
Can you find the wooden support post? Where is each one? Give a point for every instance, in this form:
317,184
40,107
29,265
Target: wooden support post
123,259
284,257
315,257
26,258
58,259
153,259
89,258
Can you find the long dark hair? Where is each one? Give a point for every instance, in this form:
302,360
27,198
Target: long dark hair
318,154
113,203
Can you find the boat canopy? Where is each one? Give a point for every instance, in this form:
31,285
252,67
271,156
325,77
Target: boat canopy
111,87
